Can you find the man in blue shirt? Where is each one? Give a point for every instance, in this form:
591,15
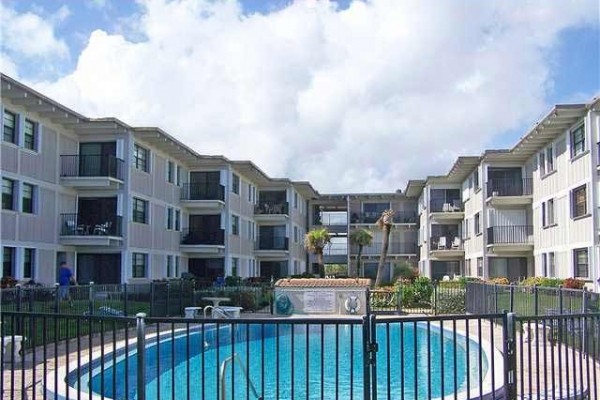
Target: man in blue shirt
65,276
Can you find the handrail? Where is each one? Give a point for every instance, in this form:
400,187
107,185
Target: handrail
230,360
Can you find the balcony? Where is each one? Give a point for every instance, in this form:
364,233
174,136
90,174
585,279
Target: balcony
271,211
81,230
91,171
197,241
400,217
446,247
509,192
446,210
201,196
272,246
394,249
514,238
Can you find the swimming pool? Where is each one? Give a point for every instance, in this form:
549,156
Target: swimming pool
278,364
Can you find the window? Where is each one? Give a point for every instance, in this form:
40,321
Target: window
579,202
480,266
542,163
549,159
235,262
177,220
295,200
140,158
580,261
8,191
235,225
139,265
476,179
466,234
8,261
140,211
551,265
250,230
30,135
169,266
578,140
550,212
27,198
544,264
249,193
296,236
178,175
477,222
10,127
169,218
235,183
170,171
177,266
28,263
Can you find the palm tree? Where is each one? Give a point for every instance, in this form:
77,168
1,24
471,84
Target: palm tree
315,241
385,224
359,237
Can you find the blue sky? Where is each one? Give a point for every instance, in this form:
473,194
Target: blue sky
276,71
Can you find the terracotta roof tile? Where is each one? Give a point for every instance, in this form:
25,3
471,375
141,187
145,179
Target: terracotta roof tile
308,282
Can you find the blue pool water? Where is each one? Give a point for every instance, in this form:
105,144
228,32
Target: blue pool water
275,357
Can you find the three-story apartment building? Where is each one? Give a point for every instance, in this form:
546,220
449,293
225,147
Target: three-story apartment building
122,203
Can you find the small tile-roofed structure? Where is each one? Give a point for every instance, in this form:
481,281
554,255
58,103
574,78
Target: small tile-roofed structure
323,283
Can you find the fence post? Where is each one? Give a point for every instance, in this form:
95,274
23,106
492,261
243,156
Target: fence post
368,301
19,295
560,299
181,297
510,359
152,298
125,298
366,356
512,298
584,300
91,298
435,297
141,353
495,297
56,298
536,302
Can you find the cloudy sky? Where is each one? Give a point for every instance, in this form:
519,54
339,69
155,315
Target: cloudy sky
350,95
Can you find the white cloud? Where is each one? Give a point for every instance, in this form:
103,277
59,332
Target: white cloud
29,35
355,100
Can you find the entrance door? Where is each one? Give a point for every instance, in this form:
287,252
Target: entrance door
95,159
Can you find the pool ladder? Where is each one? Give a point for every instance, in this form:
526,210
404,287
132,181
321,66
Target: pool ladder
230,360
216,310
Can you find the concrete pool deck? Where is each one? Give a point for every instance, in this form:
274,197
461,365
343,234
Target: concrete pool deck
538,364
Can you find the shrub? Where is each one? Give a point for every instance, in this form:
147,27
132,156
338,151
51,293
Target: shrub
465,279
451,302
573,283
408,296
404,271
500,281
423,289
459,284
542,281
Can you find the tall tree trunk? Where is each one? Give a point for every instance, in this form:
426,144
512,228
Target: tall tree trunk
357,272
386,239
321,265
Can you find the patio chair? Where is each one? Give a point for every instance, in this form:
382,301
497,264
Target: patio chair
102,229
442,243
456,243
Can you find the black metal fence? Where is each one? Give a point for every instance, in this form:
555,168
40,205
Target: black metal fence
484,297
420,298
156,299
488,356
